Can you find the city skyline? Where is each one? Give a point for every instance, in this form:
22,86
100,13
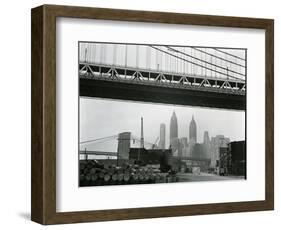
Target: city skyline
91,111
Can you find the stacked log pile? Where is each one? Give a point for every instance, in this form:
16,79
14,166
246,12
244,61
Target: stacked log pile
93,173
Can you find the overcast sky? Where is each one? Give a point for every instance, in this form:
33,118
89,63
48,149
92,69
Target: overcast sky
106,117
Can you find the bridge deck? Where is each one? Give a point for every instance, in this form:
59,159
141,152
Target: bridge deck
162,79
97,153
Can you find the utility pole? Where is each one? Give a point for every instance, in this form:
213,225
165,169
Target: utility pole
142,139
126,51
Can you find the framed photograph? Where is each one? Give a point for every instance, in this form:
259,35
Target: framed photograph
139,114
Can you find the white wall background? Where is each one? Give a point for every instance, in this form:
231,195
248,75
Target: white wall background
15,114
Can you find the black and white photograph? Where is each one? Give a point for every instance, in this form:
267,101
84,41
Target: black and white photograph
156,113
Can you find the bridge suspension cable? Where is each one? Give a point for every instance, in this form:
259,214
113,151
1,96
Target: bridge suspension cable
229,54
200,65
204,61
218,57
139,140
98,139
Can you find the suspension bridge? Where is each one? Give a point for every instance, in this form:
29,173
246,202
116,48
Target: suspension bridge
113,140
135,142
190,75
107,155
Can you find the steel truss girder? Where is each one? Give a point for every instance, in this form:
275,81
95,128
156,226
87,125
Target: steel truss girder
113,73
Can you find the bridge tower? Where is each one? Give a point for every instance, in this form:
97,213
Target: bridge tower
124,145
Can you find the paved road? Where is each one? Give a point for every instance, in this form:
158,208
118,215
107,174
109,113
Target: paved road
183,177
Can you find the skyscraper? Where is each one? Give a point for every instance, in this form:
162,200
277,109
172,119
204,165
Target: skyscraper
192,131
173,127
207,144
184,146
162,142
206,138
174,141
216,143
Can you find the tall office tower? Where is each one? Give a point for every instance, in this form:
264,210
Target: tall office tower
192,131
216,143
207,144
206,137
174,141
183,146
162,142
173,127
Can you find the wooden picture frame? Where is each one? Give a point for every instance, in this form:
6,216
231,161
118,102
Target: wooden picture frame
43,202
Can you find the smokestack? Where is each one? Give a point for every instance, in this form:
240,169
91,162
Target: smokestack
142,139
